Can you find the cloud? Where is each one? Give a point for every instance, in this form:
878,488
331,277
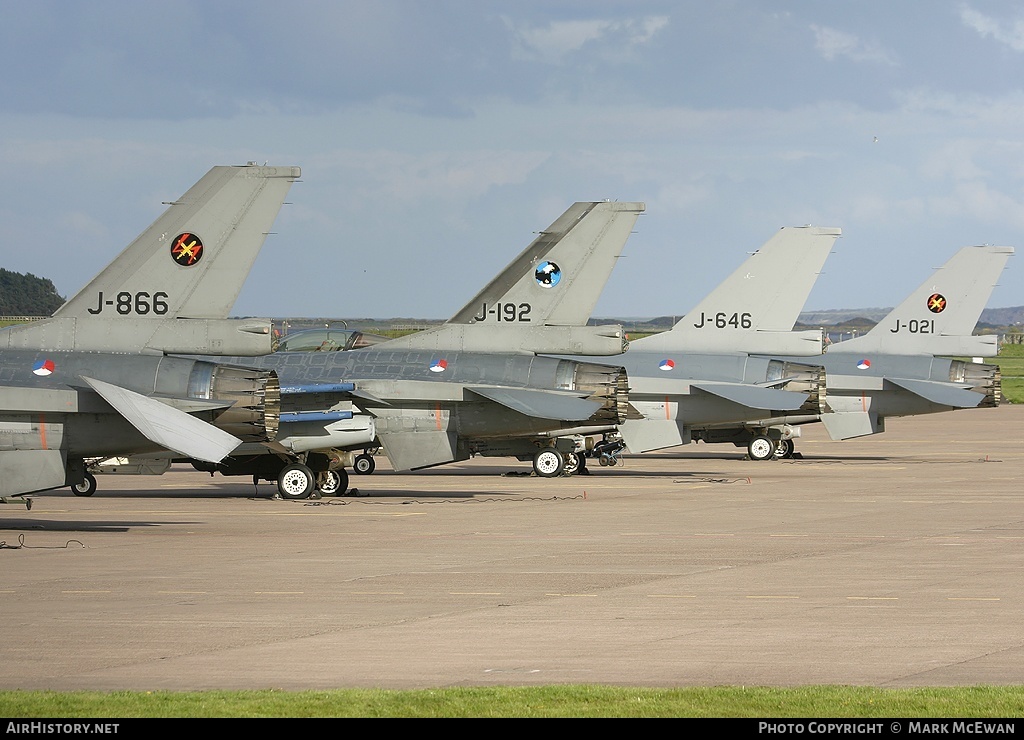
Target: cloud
831,44
1012,34
552,43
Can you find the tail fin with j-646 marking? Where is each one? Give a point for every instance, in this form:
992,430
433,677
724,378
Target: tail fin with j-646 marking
172,288
541,302
755,308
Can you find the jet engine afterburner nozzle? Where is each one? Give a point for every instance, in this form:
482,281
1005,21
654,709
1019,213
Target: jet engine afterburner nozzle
256,395
982,378
606,384
802,378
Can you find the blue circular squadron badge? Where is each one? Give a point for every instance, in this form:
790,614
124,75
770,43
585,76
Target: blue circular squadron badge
548,274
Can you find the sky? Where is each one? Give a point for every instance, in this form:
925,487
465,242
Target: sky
437,136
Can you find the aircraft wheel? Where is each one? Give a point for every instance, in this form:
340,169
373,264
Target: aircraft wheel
583,464
87,487
295,481
548,463
573,462
364,464
332,482
761,447
784,449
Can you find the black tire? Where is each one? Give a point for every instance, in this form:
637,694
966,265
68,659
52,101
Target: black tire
548,463
295,482
364,464
761,447
87,487
784,449
332,482
573,463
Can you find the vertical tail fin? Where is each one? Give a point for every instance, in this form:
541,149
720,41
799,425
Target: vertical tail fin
541,302
755,308
557,280
193,260
940,316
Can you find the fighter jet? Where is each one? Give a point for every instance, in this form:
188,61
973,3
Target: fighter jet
705,369
898,368
97,379
441,395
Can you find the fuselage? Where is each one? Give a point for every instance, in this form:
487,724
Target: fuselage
49,407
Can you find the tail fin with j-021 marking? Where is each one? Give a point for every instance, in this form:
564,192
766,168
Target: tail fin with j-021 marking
940,316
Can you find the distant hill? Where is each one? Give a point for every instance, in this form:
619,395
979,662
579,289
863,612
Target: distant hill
27,295
993,321
990,316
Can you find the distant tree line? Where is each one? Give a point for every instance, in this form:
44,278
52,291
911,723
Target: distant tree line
27,295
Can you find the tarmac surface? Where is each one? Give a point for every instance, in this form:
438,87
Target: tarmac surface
893,561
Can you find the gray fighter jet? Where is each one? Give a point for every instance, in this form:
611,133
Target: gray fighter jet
96,378
904,366
704,369
444,394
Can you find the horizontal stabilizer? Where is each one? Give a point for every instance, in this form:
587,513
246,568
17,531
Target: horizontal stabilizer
414,450
944,394
321,416
541,404
754,396
167,426
645,435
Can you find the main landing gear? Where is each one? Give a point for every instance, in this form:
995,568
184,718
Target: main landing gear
548,463
297,481
761,447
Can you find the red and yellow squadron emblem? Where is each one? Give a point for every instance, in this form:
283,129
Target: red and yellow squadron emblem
936,303
187,249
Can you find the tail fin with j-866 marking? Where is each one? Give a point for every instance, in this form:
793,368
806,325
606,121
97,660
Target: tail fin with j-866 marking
94,380
172,288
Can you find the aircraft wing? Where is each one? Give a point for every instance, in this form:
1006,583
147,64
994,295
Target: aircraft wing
542,404
754,396
944,394
166,426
